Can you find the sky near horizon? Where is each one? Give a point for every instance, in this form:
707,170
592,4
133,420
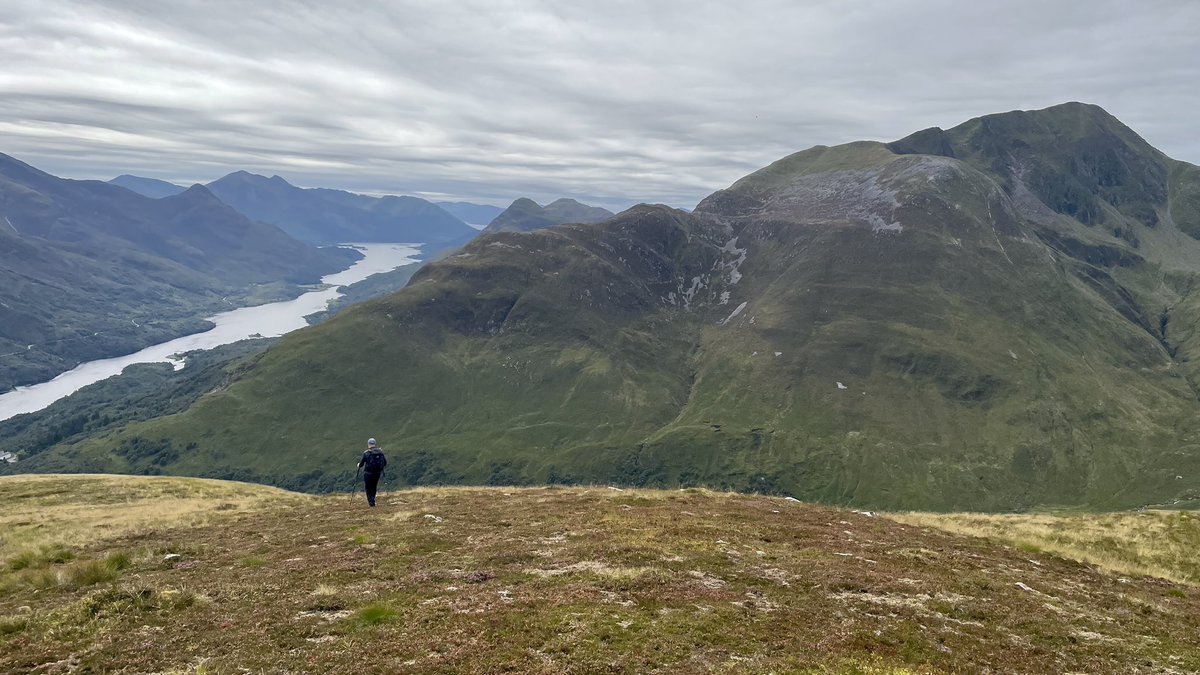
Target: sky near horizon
612,103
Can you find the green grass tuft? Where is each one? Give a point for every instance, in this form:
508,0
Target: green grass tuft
375,614
23,560
87,573
117,561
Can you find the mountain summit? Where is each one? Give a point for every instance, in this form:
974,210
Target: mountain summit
994,316
147,187
525,215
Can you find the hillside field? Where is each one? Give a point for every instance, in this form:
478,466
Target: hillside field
171,575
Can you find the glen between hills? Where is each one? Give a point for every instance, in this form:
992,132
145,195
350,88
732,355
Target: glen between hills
991,317
90,270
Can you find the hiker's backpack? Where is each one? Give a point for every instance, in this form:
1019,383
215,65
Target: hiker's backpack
374,461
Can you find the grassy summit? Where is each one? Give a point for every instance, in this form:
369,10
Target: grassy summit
551,580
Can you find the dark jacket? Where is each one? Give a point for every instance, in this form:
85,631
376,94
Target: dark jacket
366,465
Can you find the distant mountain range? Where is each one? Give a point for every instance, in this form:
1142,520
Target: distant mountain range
526,215
326,216
148,187
276,201
91,270
476,215
995,316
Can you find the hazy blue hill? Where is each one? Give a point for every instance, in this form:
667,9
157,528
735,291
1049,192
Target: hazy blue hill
473,214
525,215
910,325
570,211
147,187
93,270
326,216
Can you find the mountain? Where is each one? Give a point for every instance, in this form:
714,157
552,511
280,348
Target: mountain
325,216
91,270
155,575
525,215
147,187
477,215
991,317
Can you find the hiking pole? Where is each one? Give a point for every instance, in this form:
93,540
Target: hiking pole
356,474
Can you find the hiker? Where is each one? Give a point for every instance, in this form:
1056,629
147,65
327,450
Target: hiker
372,464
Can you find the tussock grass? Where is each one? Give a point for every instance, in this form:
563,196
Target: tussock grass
23,560
87,573
122,600
12,624
117,561
375,614
1159,544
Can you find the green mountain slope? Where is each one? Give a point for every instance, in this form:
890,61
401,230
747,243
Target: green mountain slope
526,215
926,324
90,270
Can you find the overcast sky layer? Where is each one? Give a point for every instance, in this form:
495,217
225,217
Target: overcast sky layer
610,102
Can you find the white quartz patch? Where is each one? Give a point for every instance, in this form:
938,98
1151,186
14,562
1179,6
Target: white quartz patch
736,311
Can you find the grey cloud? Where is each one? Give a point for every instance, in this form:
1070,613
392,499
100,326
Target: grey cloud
615,102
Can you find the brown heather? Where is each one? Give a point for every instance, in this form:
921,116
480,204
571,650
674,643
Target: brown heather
546,580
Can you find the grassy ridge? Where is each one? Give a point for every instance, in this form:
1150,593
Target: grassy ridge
50,512
1151,543
560,580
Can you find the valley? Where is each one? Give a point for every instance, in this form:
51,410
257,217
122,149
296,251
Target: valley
262,321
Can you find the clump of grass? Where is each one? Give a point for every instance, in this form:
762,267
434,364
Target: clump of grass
116,601
177,598
32,559
58,556
40,579
252,562
22,560
87,573
10,625
326,599
375,614
117,561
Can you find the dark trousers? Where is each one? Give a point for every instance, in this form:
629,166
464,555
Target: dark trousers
372,482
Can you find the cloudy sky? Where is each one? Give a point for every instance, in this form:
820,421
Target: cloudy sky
610,102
